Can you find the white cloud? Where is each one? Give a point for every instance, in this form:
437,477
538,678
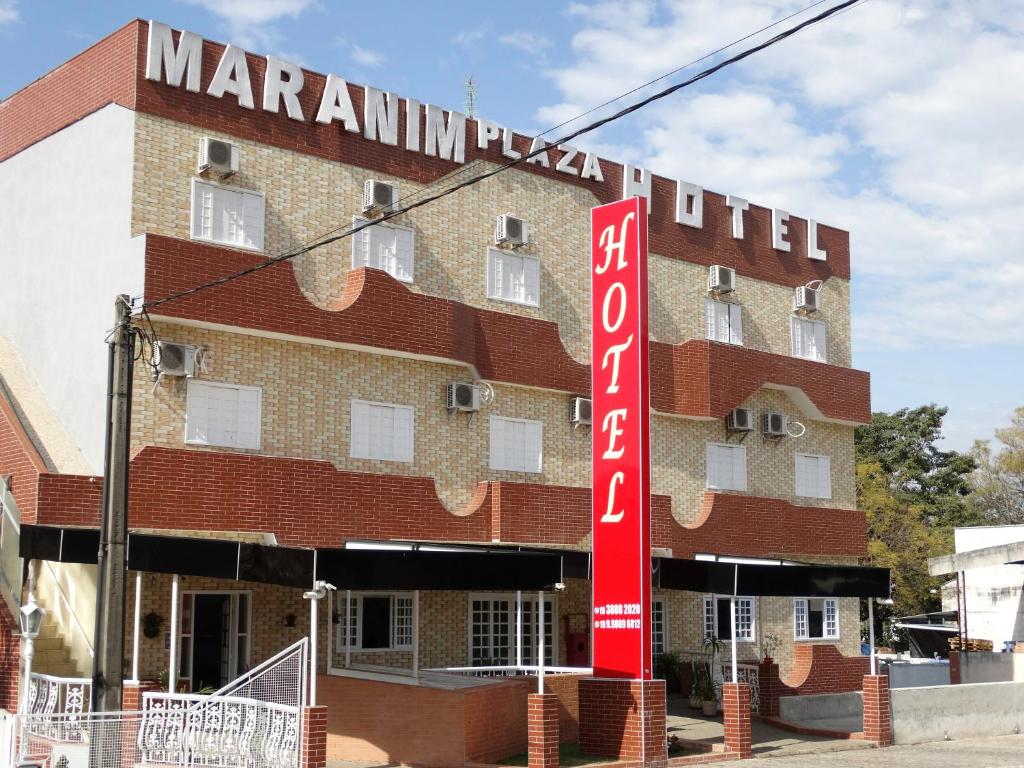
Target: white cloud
467,38
8,11
528,42
366,57
250,22
898,120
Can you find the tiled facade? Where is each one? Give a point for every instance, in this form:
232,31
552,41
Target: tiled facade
309,372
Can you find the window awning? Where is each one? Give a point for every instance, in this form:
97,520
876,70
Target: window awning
439,569
770,578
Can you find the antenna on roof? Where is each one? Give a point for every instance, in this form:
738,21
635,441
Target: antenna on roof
470,98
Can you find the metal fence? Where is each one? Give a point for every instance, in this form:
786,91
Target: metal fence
89,740
52,695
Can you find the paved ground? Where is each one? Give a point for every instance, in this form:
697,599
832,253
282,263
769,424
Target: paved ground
997,752
687,723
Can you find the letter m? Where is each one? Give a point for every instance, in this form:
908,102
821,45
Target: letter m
161,56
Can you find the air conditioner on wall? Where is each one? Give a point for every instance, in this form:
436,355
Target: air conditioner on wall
463,397
774,424
220,157
379,196
171,359
510,231
740,420
805,299
721,279
580,410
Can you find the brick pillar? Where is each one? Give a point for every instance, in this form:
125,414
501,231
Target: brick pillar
877,722
542,729
131,697
954,667
624,719
313,747
769,687
736,715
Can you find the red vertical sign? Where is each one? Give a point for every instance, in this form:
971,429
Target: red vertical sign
621,434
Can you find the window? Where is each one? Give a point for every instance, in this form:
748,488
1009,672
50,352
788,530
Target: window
492,630
222,617
727,467
659,625
387,247
718,622
809,339
813,476
723,321
512,277
815,618
222,414
382,431
375,621
517,444
227,215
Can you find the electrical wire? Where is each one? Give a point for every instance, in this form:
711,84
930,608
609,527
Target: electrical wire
703,74
450,178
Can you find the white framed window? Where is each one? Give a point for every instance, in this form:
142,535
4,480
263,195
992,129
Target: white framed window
718,622
659,625
809,339
227,215
382,431
513,277
727,466
209,614
813,476
492,630
226,415
517,444
815,618
723,321
385,246
375,621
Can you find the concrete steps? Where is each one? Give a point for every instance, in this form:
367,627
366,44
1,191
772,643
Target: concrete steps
51,654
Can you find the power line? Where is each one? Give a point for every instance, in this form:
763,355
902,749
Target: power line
705,73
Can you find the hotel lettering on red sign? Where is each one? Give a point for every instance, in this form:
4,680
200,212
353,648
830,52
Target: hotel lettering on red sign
621,434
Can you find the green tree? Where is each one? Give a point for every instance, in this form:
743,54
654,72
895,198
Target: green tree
998,482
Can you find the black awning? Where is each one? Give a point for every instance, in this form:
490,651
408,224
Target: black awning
770,579
457,568
433,569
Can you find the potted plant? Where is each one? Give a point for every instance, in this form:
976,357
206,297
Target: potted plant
708,695
698,671
769,645
668,666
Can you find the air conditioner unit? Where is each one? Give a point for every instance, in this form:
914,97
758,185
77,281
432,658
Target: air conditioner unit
171,359
510,231
218,156
379,196
721,279
581,410
463,397
774,424
69,756
740,420
805,299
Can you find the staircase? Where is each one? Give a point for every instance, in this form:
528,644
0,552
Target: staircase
52,656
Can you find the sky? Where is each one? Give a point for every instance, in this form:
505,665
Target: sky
896,120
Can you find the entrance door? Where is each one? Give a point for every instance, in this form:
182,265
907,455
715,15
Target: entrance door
214,638
209,641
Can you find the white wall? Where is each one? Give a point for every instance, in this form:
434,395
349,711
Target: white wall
65,252
995,595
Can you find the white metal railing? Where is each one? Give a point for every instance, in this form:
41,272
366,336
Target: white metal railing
252,722
746,672
510,670
55,703
95,739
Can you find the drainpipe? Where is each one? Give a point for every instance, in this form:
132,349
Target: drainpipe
138,620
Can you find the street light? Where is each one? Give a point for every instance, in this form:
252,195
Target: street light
31,619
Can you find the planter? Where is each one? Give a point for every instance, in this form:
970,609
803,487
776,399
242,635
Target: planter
695,702
710,708
768,660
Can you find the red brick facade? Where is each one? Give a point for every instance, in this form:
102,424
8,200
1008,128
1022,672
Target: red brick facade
623,719
112,71
313,735
817,669
20,462
696,378
310,503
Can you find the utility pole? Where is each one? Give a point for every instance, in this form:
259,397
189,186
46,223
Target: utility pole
108,641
